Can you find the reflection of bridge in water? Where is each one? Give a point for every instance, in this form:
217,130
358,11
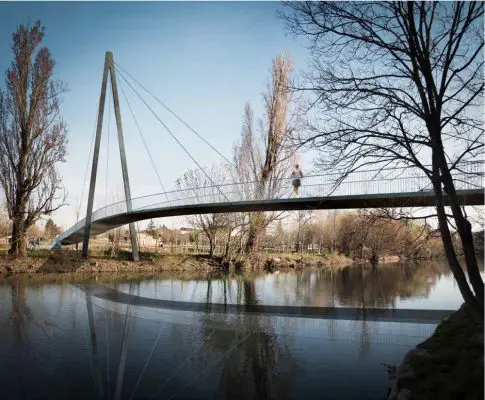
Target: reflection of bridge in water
332,313
249,322
71,332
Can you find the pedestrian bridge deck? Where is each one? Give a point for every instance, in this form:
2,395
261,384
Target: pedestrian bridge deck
390,188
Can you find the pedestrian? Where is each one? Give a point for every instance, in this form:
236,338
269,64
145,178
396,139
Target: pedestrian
297,175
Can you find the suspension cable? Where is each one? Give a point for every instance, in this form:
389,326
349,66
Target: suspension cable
144,142
173,113
107,148
173,136
87,167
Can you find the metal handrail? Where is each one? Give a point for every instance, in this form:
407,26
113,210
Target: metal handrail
469,176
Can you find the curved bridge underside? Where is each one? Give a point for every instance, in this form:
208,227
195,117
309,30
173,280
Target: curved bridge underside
347,314
411,199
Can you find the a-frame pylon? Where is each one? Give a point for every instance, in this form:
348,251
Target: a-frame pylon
109,69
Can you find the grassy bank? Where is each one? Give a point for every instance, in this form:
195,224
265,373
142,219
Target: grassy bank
47,261
286,261
72,262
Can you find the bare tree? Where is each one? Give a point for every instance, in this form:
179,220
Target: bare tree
33,136
200,185
117,235
34,232
51,230
266,158
152,229
328,229
303,219
114,239
378,235
400,83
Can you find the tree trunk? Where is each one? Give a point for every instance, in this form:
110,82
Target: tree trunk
374,259
227,248
211,247
253,243
249,292
455,266
18,246
465,231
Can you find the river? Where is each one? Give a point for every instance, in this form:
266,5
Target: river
75,336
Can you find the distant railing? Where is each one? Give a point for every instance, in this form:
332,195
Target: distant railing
469,175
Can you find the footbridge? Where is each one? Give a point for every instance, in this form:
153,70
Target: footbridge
389,187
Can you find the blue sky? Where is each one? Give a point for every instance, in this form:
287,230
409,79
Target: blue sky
204,60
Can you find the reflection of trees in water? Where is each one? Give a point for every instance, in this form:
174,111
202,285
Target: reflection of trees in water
261,366
252,370
366,287
365,329
21,314
250,296
27,360
302,288
362,286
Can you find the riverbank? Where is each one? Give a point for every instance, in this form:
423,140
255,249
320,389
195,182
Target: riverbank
448,365
71,262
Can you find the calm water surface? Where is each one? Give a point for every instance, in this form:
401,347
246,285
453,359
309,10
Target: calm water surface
60,340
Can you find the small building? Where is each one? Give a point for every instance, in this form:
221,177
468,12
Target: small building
186,231
5,239
144,239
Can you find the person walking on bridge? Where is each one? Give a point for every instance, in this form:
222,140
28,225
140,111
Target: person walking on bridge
297,175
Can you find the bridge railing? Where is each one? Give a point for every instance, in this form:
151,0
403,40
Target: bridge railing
367,182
